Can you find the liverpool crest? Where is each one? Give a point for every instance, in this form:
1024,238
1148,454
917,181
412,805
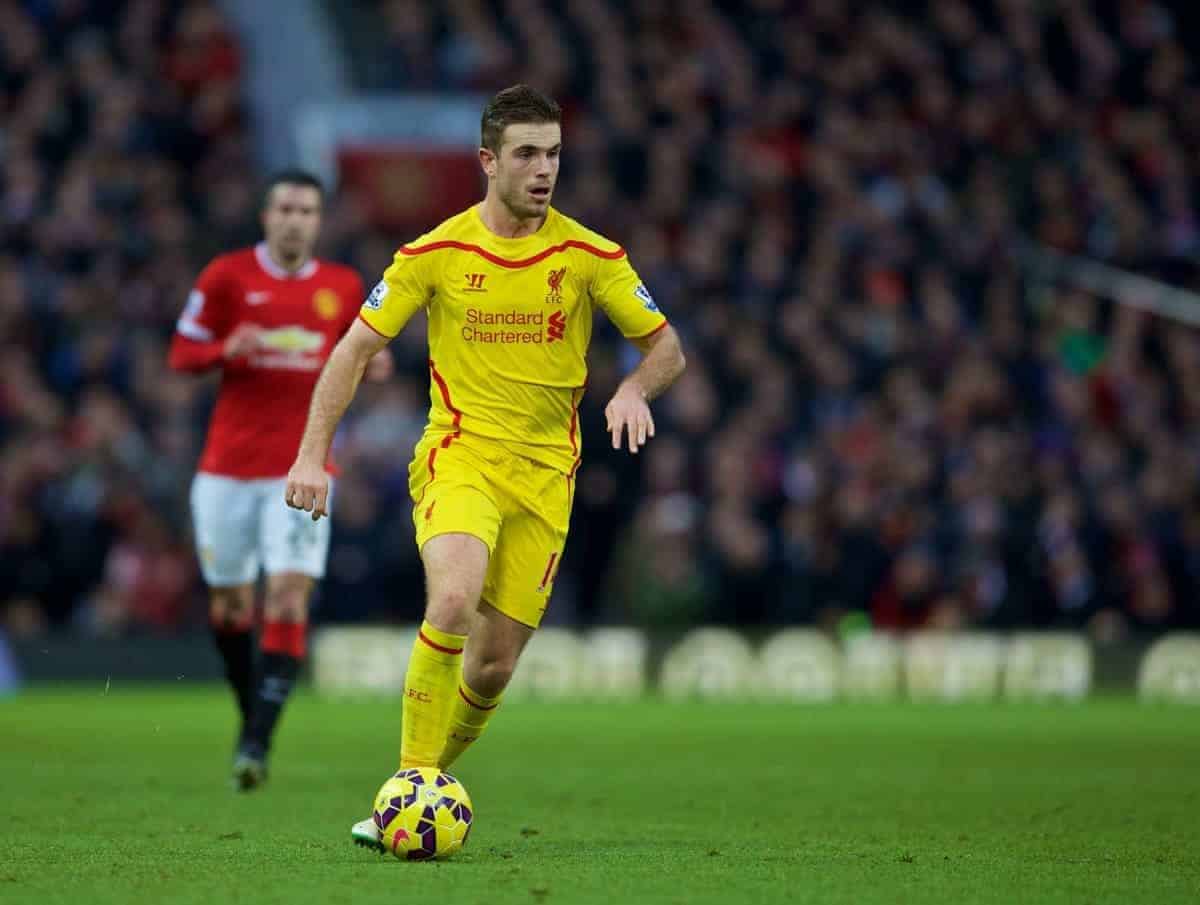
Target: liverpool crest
554,280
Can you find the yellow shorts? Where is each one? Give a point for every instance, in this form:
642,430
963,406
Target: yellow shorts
518,507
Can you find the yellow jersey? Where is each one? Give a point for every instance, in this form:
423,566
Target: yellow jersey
510,321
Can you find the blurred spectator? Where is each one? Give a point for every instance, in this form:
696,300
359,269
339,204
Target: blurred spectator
117,117
882,412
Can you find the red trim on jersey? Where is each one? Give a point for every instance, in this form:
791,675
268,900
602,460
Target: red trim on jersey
438,647
652,332
450,438
373,329
508,262
574,429
441,382
462,694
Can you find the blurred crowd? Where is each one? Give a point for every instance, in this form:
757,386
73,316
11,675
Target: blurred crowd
125,162
882,413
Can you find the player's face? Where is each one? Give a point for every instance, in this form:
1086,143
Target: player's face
527,167
291,221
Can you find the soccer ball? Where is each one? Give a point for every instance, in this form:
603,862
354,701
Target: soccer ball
423,813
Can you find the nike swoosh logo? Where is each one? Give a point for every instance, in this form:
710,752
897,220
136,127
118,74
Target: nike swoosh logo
257,298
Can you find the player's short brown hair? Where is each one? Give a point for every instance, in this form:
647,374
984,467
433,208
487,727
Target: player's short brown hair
518,104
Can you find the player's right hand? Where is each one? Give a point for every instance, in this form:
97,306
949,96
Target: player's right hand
308,489
242,341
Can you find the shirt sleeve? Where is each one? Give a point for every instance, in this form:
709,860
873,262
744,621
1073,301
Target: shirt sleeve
205,322
618,290
406,288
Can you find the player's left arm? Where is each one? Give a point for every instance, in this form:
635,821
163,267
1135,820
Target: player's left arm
617,289
629,410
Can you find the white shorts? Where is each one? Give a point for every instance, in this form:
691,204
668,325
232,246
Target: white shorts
244,525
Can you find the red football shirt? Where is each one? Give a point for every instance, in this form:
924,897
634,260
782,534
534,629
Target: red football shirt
263,401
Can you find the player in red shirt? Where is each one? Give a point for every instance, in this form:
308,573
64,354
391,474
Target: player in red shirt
267,317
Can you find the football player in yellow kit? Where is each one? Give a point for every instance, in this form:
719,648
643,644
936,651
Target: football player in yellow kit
509,286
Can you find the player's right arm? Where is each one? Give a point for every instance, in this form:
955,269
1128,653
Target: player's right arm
205,334
404,289
307,483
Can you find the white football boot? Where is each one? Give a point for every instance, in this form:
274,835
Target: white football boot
366,834
249,771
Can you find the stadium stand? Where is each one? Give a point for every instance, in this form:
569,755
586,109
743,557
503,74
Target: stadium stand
883,413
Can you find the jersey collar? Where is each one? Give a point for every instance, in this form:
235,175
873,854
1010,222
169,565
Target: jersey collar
264,261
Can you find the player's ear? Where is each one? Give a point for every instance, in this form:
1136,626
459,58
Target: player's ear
264,206
487,160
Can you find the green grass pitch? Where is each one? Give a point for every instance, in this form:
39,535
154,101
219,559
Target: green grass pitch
121,797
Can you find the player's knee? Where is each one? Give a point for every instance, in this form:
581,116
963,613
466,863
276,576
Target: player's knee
287,602
219,610
449,610
229,605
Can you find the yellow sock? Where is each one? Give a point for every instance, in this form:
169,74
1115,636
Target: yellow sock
468,718
430,692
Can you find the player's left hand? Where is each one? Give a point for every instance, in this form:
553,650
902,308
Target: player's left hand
380,368
629,411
